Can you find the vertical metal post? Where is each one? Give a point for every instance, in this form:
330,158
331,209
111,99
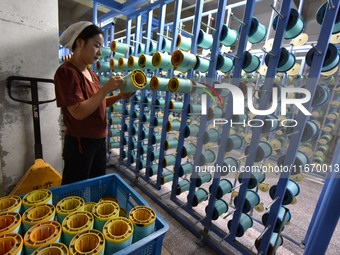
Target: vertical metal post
95,12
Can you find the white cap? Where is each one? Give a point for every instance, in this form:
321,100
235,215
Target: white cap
68,37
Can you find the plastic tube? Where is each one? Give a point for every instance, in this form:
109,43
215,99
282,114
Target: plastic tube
10,204
10,222
67,206
41,234
133,62
178,85
133,81
37,214
103,212
145,62
162,61
119,47
11,243
89,206
37,197
88,242
52,249
143,219
74,223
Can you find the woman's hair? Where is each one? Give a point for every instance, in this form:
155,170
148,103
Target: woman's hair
87,33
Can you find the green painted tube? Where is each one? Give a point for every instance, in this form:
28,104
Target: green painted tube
174,125
167,177
182,186
133,81
145,62
195,108
183,61
183,43
188,149
200,196
202,65
159,84
169,160
185,169
162,61
119,47
208,156
171,144
204,40
178,85
191,130
215,112
211,135
224,64
143,219
228,36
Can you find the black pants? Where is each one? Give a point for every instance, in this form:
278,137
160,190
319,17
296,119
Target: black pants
88,164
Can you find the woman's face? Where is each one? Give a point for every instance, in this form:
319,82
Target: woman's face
92,50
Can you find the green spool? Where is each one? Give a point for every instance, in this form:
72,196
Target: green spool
104,211
145,62
257,31
167,177
229,163
251,62
152,47
159,84
252,199
146,117
322,148
10,222
117,108
154,155
207,156
183,43
188,149
133,81
292,190
318,160
171,144
331,60
224,64
279,218
234,142
203,178
320,15
153,170
176,106
191,130
178,85
169,161
103,66
156,139
256,176
140,48
106,52
122,65
195,108
271,248
162,61
264,150
133,63
200,196
142,164
228,36
145,134
202,65
166,45
198,89
119,47
326,137
148,100
37,214
301,160
185,169
246,222
10,203
117,55
295,25
224,187
182,186
211,135
204,40
286,61
220,207
174,125
215,112
158,122
183,61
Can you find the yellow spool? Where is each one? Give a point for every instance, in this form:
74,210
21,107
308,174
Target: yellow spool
37,197
183,60
133,81
52,249
10,222
108,198
37,214
122,63
88,242
89,206
103,212
41,234
10,204
143,219
114,45
11,243
69,205
133,62
174,85
112,63
118,233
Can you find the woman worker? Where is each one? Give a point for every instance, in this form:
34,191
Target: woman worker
83,103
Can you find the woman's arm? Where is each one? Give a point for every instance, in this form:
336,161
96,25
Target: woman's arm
112,99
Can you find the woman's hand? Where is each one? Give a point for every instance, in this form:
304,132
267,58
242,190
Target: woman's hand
114,83
126,95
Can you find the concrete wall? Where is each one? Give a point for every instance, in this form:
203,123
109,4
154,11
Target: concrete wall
29,47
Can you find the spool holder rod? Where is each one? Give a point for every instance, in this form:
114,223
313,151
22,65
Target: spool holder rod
278,13
213,29
237,19
269,53
264,231
236,187
167,37
270,205
296,132
191,34
136,42
229,213
318,52
246,156
146,38
331,5
231,55
205,58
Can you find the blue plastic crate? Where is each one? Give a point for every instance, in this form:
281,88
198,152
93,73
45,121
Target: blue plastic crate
92,190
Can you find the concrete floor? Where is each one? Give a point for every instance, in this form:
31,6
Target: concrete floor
179,240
